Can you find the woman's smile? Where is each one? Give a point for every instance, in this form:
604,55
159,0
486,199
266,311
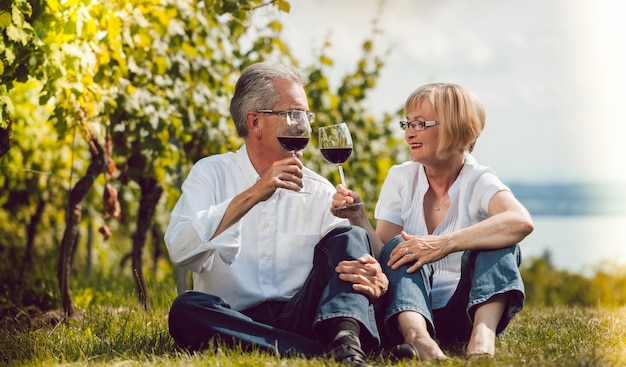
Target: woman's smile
415,146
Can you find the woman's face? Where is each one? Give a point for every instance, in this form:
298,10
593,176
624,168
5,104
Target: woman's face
423,143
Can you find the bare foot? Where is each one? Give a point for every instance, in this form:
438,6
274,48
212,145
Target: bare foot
427,348
414,329
482,343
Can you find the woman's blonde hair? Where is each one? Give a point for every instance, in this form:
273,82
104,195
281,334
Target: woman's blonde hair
460,113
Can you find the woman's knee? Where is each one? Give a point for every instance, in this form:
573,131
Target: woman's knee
504,257
385,253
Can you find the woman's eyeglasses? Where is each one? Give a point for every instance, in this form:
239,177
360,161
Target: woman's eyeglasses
417,124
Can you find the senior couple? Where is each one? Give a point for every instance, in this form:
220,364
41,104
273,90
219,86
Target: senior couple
309,275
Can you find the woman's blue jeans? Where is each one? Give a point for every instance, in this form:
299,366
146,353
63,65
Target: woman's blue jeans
285,327
484,274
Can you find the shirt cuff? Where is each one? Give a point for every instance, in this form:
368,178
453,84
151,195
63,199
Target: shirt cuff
227,243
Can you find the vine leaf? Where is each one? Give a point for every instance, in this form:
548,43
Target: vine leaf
112,207
106,232
108,150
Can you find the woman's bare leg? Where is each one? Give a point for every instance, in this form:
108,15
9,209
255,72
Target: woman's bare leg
413,327
486,319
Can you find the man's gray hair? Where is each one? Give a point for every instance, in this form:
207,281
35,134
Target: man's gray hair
255,90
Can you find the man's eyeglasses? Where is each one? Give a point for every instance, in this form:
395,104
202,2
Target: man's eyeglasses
292,114
417,124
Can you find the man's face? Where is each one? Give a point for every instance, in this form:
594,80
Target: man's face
291,97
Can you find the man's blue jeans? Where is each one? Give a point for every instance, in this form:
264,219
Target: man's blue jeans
285,327
484,274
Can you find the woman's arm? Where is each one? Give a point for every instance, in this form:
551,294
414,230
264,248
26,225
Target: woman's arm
386,231
509,223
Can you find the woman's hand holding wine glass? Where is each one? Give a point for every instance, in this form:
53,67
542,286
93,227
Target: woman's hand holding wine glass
336,147
347,203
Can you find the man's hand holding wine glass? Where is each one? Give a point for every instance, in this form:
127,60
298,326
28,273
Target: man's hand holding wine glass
283,174
293,133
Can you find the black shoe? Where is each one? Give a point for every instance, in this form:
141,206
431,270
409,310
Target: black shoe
400,352
349,355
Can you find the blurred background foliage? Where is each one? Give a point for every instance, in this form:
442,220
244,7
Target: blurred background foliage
143,86
105,107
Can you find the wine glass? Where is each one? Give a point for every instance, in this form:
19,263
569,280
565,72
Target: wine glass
336,147
293,134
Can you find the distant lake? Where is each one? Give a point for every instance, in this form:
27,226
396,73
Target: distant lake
578,243
574,199
582,226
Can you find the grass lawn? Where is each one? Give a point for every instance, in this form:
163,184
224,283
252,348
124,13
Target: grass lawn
104,336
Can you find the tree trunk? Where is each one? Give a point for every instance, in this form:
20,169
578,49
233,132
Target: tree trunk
157,240
5,139
31,232
89,264
97,166
151,191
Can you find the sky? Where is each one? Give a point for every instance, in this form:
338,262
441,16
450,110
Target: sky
550,73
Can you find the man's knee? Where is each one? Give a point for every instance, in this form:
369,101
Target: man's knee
188,314
188,303
346,238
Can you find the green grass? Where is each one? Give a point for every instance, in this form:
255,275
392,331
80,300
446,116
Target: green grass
130,336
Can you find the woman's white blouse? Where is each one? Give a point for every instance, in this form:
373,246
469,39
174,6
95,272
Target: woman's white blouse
401,202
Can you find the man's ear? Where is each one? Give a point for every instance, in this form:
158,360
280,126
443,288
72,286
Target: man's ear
254,125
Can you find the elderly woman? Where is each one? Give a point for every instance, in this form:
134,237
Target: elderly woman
450,230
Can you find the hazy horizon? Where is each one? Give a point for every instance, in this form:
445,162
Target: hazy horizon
549,73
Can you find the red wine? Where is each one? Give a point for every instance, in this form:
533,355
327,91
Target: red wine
293,143
336,155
